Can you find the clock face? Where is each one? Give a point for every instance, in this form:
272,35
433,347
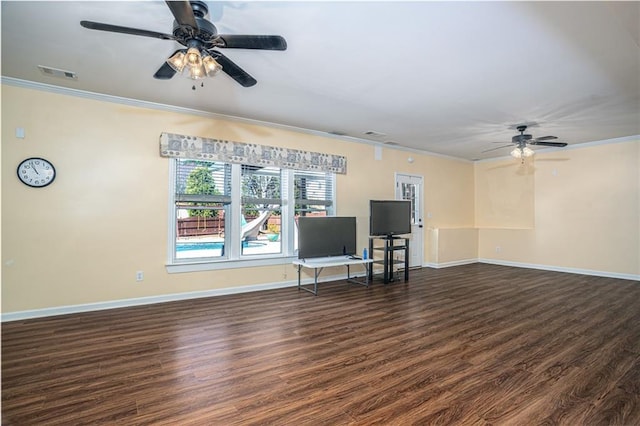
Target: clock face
36,172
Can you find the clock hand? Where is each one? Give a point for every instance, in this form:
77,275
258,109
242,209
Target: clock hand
34,167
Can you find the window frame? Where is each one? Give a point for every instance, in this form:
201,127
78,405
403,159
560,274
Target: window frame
233,257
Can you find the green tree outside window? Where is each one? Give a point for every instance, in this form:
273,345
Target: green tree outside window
201,182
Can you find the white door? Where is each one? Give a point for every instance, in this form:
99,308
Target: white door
409,187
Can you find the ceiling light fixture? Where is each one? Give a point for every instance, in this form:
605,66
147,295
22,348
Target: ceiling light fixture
177,61
211,66
522,152
195,62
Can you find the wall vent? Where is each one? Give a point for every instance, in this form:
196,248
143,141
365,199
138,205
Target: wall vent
374,134
54,72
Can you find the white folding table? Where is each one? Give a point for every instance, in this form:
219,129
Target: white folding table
319,263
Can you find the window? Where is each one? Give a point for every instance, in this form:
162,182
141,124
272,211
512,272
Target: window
223,213
202,198
313,193
261,206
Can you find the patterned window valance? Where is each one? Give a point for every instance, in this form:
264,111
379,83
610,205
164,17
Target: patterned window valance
197,148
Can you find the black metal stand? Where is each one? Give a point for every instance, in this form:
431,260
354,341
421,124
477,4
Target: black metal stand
387,261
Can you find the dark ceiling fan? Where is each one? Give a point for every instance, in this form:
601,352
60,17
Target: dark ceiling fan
522,140
197,34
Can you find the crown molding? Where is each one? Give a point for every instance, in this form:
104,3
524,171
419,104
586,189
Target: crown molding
10,81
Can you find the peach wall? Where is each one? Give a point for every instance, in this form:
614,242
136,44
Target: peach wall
586,205
505,194
452,246
82,239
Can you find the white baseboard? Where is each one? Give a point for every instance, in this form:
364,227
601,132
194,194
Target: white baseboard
450,264
123,303
140,301
606,274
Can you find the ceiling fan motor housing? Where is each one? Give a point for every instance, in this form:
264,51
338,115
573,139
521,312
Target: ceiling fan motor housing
521,139
517,139
205,32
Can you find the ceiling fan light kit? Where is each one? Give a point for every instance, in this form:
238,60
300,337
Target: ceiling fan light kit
197,64
200,37
211,66
177,61
193,57
522,152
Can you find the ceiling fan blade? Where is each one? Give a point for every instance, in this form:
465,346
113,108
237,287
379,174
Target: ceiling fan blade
233,70
125,30
500,147
265,42
165,72
542,143
546,138
183,13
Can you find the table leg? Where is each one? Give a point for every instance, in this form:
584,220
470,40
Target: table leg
315,280
354,281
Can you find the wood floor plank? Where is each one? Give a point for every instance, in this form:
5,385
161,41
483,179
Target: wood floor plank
468,345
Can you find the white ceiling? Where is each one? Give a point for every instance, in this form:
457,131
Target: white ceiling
444,77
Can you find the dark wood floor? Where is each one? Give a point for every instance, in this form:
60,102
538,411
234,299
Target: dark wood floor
475,344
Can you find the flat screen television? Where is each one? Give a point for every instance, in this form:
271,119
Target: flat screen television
389,217
324,236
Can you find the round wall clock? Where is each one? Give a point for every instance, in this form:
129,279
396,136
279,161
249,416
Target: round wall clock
36,172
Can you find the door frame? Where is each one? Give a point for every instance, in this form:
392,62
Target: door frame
416,247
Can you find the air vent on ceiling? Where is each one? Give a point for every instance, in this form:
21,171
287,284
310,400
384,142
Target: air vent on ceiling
54,72
374,134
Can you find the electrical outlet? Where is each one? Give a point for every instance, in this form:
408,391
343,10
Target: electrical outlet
498,249
139,275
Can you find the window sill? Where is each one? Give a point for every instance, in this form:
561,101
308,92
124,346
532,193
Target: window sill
200,265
